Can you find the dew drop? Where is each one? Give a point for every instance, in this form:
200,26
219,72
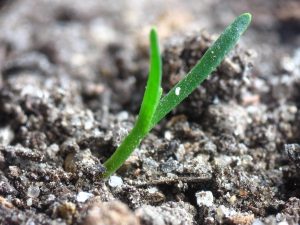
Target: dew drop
177,91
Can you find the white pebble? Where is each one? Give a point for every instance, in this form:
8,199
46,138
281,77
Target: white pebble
168,135
283,223
51,197
88,124
115,181
205,198
29,202
83,196
123,116
257,222
177,91
33,192
232,199
78,59
152,190
6,135
222,211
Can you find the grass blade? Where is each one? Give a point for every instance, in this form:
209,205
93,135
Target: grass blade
153,89
205,66
148,108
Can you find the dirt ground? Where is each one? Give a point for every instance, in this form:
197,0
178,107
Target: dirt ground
72,74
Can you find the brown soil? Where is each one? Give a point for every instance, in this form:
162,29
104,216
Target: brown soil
72,74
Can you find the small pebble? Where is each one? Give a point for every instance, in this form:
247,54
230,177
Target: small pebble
283,223
222,211
169,166
29,202
6,136
33,191
232,199
88,124
83,196
205,198
122,116
30,222
51,197
152,190
257,222
168,135
115,181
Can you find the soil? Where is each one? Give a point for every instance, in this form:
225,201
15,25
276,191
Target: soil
72,74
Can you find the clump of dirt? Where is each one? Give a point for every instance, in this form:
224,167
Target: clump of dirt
70,88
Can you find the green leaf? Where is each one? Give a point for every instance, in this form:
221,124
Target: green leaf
205,66
149,104
153,89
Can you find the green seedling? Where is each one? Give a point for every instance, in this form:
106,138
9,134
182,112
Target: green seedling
154,108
